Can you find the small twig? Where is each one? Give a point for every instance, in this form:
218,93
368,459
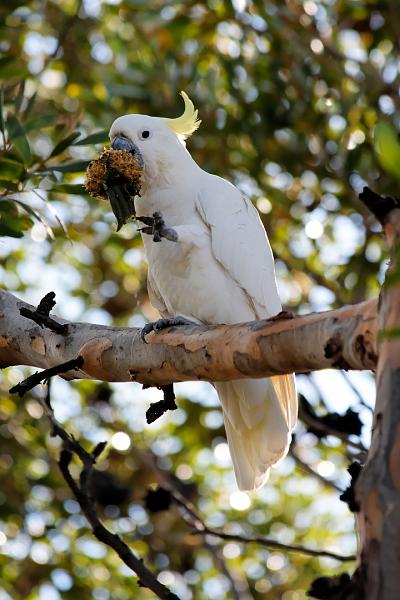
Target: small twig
30,382
157,409
308,469
380,206
201,528
356,391
41,314
81,492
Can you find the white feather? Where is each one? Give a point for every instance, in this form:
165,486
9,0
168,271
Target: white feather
221,270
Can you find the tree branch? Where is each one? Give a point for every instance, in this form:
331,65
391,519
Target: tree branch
344,339
81,492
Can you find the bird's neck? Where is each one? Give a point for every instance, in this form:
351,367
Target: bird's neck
169,191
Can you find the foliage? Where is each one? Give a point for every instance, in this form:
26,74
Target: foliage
302,97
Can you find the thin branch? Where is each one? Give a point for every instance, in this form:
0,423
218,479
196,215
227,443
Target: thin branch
308,469
81,492
201,528
34,380
41,314
159,408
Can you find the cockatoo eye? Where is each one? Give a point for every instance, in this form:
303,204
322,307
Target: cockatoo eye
144,134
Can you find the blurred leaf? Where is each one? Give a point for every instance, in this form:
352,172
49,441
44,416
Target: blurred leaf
2,109
5,230
387,147
99,137
11,68
40,122
29,107
10,169
11,222
63,144
72,167
18,138
20,96
69,188
35,214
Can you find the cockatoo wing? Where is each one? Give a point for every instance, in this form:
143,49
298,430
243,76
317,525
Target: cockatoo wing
240,244
259,414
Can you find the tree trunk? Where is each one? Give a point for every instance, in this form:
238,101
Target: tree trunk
378,487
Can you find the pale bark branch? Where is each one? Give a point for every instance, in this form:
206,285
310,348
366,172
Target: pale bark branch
344,339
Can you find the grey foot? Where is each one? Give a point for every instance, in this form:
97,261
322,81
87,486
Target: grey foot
156,227
163,324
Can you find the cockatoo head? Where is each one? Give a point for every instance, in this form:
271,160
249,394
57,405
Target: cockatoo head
157,143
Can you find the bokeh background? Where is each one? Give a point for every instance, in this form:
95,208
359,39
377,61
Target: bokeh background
300,109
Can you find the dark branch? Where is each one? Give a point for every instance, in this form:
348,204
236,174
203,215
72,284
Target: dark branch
348,495
81,492
380,206
42,312
320,428
157,409
30,382
196,521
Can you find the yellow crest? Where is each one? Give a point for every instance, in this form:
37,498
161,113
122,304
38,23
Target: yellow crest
188,122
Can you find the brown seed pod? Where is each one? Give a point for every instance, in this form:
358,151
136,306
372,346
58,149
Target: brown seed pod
113,168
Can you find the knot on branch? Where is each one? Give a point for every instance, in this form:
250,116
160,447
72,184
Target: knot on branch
334,349
41,314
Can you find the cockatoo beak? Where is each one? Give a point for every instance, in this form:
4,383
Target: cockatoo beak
122,202
122,143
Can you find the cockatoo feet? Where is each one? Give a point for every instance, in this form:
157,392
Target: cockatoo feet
155,226
163,324
282,316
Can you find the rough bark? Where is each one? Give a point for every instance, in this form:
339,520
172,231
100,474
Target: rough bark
378,487
343,339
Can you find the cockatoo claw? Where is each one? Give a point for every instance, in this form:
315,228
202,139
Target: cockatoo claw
156,227
164,324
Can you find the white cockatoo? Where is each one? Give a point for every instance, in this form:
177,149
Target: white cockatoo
214,265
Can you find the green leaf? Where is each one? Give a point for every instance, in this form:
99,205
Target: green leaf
2,109
40,122
95,138
11,68
69,188
5,230
63,144
36,215
11,222
29,106
18,138
9,185
20,96
387,147
10,169
76,166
